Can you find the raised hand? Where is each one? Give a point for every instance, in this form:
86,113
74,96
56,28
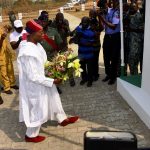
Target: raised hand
3,36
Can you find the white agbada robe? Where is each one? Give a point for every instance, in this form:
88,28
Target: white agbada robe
39,99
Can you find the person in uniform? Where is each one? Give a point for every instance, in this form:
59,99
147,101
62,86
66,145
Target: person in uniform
62,26
126,20
52,42
96,26
112,43
6,65
136,39
142,11
12,18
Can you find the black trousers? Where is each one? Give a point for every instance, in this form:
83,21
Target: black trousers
87,66
111,51
96,62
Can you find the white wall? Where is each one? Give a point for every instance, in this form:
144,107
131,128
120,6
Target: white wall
146,59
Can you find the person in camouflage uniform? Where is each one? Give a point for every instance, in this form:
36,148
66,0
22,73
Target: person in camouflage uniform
12,18
62,26
142,11
126,21
54,35
51,34
136,40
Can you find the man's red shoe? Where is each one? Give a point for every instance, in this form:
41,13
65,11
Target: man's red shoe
35,139
69,121
73,119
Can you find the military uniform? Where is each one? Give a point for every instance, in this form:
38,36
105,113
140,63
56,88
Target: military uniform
6,65
54,35
136,42
12,18
126,21
112,45
64,31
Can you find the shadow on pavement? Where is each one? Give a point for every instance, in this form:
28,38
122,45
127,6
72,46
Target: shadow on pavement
10,124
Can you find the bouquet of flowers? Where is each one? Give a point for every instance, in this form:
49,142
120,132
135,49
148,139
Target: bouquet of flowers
62,66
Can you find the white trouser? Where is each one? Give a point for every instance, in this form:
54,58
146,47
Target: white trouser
61,117
33,131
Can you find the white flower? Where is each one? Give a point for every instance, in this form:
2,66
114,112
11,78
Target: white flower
80,69
70,65
61,63
47,64
77,73
70,56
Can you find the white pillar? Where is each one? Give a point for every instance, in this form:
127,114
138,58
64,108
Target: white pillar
61,9
83,7
40,12
121,31
20,16
94,5
1,20
146,58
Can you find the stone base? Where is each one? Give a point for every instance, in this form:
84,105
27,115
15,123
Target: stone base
137,98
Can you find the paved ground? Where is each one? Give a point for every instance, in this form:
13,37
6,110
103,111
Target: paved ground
100,108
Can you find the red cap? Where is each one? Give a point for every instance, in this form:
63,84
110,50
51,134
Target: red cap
32,26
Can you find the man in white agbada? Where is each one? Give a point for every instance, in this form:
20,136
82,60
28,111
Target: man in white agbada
39,99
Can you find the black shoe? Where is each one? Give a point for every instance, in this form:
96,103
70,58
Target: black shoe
95,78
1,100
106,79
89,84
72,83
59,90
111,81
83,82
8,92
15,87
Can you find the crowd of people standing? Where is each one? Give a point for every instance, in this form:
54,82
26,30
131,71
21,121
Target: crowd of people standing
87,36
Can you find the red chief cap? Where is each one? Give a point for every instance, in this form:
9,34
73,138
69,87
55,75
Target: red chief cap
32,26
